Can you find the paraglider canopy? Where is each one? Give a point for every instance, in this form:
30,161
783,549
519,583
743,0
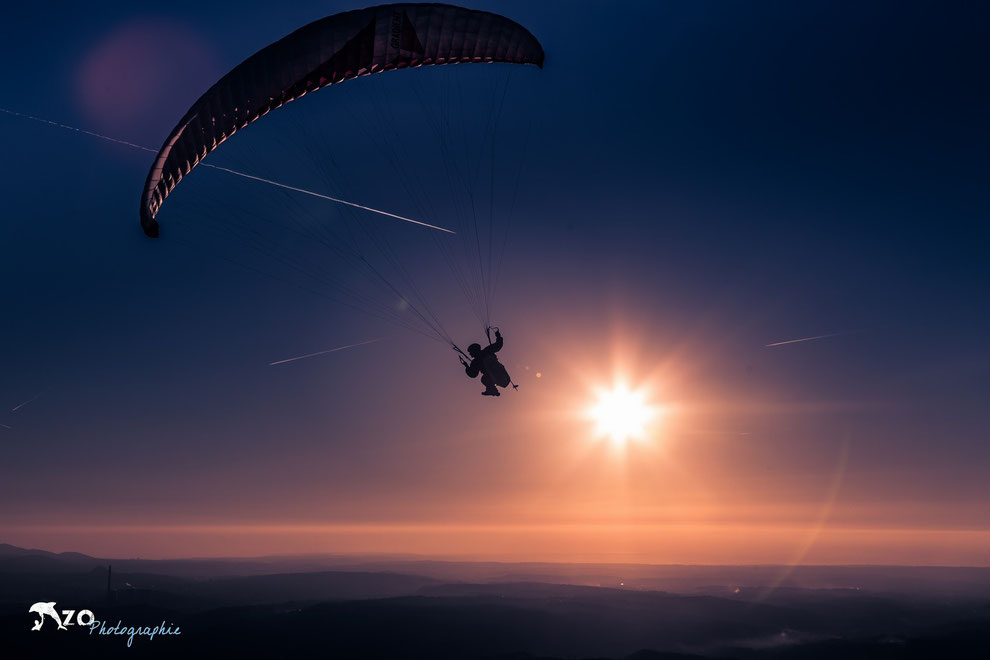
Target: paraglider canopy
325,52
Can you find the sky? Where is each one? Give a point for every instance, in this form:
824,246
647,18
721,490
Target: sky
697,180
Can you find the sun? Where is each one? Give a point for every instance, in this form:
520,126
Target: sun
621,414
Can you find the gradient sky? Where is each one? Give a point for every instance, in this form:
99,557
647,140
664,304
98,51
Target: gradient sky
706,179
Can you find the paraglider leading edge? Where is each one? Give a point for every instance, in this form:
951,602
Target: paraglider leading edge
325,52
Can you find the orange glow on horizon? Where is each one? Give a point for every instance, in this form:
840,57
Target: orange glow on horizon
713,544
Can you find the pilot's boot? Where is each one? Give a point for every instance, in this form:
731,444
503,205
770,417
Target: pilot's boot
489,383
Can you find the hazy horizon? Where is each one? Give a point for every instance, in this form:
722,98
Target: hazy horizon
814,547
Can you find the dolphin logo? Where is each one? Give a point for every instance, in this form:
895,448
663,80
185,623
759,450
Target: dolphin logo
43,610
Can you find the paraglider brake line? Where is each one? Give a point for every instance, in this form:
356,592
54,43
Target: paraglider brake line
230,171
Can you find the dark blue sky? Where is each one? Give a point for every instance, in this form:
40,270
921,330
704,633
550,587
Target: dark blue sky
705,179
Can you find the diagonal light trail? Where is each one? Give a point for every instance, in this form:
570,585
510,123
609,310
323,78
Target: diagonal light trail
329,350
21,405
328,197
797,341
77,130
230,171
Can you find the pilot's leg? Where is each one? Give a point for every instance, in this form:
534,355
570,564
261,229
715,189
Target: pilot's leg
489,383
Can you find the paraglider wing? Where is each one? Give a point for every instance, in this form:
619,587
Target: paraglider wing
325,52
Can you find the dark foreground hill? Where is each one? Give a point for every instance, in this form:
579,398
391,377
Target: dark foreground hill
390,614
494,627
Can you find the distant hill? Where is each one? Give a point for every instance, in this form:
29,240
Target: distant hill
710,580
8,551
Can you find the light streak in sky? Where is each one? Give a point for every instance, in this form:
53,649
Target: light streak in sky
21,405
327,197
229,171
797,341
329,350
